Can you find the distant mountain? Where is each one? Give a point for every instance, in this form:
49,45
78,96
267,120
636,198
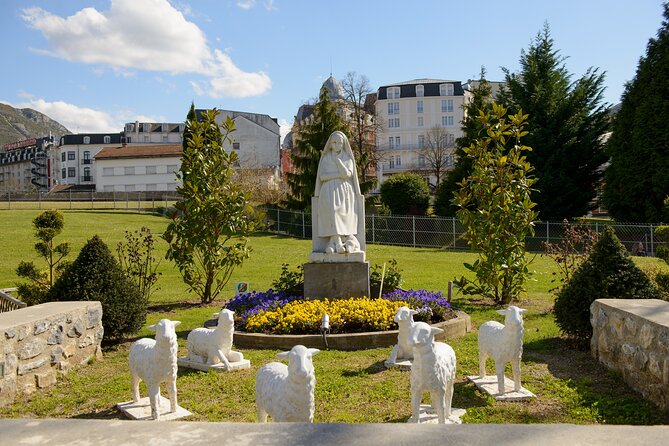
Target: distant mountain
23,123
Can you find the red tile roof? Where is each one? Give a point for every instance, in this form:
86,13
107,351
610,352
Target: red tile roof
156,151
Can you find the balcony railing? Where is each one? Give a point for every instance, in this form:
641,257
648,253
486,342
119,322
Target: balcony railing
86,161
87,178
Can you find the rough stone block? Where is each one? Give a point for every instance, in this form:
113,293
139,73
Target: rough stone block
10,333
32,365
94,317
46,379
22,332
88,340
77,329
26,384
336,280
56,336
10,363
41,327
32,348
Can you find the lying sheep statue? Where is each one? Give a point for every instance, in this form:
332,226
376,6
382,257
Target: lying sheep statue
214,346
402,350
155,361
286,393
433,371
503,343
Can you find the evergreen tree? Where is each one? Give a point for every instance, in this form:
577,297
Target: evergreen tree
608,273
636,180
309,145
472,129
96,275
567,121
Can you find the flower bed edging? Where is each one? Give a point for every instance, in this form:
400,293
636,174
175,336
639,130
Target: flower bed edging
453,328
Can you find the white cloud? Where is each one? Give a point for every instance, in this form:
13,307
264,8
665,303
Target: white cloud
284,127
246,4
150,35
269,5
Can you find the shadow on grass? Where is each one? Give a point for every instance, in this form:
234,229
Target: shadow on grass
599,388
111,413
377,367
173,306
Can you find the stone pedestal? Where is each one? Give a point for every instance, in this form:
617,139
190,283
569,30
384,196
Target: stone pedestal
237,365
489,384
336,280
427,415
141,410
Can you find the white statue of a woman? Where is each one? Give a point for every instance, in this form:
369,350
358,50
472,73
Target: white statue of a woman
337,189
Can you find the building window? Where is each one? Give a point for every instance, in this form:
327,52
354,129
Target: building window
107,139
172,168
447,105
151,170
398,160
421,141
146,138
420,90
419,106
151,187
71,155
447,121
421,160
87,174
391,142
235,146
108,172
63,173
397,142
446,90
87,157
87,139
393,92
130,188
129,170
420,121
164,138
393,123
393,108
128,139
71,172
451,139
391,162
62,157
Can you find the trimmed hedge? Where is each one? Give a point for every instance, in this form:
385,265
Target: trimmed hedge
406,194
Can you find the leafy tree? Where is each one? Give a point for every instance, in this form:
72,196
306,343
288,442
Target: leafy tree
309,144
608,272
208,233
363,126
96,275
568,121
636,181
496,209
406,193
136,258
47,226
472,129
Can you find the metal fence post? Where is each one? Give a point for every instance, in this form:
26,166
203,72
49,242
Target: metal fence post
70,195
453,220
548,231
39,199
127,205
9,200
652,242
373,235
304,233
278,220
414,230
92,206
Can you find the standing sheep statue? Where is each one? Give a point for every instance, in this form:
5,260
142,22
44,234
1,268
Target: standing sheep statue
212,348
402,351
154,362
433,371
286,393
503,343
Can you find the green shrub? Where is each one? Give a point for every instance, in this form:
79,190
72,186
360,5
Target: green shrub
406,193
391,280
608,272
443,198
96,275
290,282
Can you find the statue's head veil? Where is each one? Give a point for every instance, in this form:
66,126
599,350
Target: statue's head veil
347,154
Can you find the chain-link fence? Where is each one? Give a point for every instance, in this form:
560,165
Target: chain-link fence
444,232
152,201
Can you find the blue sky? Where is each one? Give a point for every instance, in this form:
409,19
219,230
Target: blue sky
95,64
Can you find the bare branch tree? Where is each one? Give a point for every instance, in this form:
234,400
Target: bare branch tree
363,126
438,151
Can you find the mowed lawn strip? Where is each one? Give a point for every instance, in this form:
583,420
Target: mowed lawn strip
351,386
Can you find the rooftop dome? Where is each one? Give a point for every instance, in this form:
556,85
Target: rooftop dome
334,88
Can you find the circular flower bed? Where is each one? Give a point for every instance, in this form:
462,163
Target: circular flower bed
278,313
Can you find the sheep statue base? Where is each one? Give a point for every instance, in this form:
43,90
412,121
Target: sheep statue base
154,362
211,349
433,371
502,343
401,356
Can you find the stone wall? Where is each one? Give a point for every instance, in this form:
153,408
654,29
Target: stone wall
632,336
38,342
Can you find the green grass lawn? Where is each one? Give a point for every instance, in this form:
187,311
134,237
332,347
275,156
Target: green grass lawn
570,386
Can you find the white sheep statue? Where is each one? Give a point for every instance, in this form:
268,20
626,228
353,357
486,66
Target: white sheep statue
154,362
402,350
433,371
503,343
286,393
214,346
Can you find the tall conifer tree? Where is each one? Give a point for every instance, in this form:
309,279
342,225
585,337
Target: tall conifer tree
310,143
637,180
566,122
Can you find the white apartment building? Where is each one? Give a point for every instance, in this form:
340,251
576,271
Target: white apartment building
256,139
408,112
138,168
